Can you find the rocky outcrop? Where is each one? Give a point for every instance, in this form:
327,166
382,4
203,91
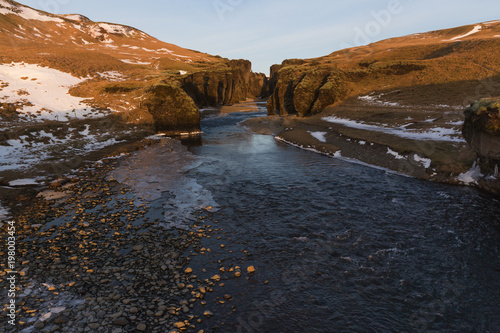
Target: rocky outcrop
303,91
226,85
172,109
482,132
482,128
307,87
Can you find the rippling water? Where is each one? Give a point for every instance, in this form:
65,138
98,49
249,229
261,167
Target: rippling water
345,248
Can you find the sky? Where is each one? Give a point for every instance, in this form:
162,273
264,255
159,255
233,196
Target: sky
266,32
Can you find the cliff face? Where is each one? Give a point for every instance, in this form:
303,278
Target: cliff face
482,131
173,103
225,86
303,91
307,88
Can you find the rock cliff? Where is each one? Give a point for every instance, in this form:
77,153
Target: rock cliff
482,127
225,85
482,131
304,91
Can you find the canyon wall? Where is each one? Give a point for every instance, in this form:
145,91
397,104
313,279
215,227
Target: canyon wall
225,86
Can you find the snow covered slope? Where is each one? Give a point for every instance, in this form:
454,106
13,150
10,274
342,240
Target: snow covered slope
41,92
21,25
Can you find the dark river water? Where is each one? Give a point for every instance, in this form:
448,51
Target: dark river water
340,247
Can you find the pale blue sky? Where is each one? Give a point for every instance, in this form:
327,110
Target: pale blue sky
267,32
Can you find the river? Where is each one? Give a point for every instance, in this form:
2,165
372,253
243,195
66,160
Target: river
339,247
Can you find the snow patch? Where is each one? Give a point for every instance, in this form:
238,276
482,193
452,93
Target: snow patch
116,29
375,99
47,97
26,13
491,22
320,136
476,29
424,161
25,182
27,151
74,17
395,154
472,176
86,131
436,133
135,62
112,76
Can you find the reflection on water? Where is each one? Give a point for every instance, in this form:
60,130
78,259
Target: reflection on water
159,173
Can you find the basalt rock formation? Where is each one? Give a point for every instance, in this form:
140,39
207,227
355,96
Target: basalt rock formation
482,131
302,90
172,109
225,85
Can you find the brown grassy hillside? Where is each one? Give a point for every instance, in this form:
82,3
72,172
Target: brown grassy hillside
453,67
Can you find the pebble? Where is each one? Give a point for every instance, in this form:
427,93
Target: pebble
61,320
179,324
122,321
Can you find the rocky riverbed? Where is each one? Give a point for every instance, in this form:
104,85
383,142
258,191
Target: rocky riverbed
93,255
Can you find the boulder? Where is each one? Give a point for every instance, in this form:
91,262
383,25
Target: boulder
172,109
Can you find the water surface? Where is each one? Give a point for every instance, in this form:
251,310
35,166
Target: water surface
341,247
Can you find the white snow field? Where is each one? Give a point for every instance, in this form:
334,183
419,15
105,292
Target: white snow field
43,90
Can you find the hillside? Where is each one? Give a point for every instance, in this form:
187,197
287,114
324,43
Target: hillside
31,35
